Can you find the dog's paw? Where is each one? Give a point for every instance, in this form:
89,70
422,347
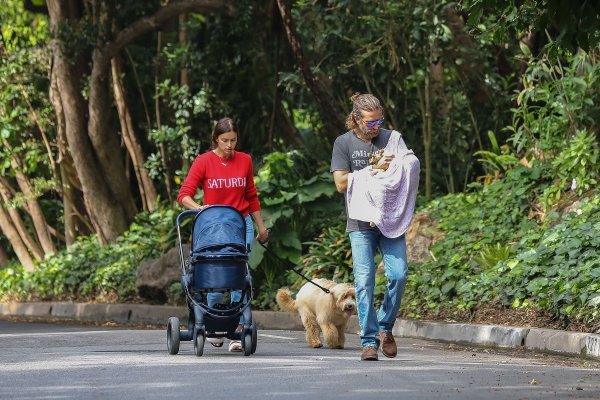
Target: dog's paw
316,345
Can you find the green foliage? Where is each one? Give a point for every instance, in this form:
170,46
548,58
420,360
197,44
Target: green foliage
177,136
328,256
555,120
87,271
499,159
575,169
27,134
509,259
491,255
555,103
559,272
20,29
391,49
573,24
175,295
477,226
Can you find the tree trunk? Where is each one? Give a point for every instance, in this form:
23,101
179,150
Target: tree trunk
280,121
35,210
427,135
285,126
75,221
17,244
146,186
333,119
423,95
161,148
31,204
88,171
184,76
63,157
4,259
93,146
6,192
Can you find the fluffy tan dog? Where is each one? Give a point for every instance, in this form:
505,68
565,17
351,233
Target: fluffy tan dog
320,311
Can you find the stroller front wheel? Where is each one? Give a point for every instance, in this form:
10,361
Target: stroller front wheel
254,338
173,335
247,344
198,342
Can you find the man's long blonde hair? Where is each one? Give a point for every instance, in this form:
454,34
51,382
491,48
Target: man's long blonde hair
361,102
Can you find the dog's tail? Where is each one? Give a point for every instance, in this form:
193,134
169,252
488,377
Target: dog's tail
285,301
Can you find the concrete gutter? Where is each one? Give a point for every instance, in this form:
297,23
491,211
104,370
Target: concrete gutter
536,339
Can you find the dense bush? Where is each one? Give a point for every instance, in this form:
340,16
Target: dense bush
90,272
511,261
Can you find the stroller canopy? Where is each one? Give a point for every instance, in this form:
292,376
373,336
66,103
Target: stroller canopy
219,231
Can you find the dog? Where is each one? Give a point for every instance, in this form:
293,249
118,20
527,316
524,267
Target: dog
320,311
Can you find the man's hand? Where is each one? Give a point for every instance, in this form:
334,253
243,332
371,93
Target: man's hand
384,162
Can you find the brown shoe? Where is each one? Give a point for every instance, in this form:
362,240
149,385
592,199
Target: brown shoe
388,344
369,353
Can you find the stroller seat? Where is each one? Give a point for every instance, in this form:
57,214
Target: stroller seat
219,255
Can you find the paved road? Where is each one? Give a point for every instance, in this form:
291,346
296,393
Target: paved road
58,361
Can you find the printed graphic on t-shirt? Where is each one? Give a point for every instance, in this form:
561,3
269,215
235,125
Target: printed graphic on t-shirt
220,183
360,158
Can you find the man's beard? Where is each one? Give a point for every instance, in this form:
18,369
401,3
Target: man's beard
368,134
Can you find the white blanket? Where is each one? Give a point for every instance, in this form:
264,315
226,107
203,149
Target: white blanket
387,198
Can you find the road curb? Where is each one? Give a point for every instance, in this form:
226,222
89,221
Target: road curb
482,335
577,344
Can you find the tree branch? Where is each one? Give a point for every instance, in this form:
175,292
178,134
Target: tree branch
331,116
153,22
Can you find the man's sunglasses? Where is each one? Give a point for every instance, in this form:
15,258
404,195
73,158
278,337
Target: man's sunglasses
372,124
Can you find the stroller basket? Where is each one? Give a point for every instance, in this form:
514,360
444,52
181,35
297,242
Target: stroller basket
223,273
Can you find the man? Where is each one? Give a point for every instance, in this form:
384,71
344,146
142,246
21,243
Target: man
352,152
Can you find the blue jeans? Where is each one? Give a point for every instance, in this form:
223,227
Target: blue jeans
236,295
364,245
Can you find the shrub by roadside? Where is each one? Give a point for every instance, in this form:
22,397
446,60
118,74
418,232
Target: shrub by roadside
90,272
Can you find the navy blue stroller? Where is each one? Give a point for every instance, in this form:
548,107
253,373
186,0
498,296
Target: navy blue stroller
218,262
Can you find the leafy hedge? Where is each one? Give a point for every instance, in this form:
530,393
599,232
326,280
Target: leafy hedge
495,251
90,272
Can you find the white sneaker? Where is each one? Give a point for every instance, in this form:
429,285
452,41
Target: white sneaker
235,346
215,341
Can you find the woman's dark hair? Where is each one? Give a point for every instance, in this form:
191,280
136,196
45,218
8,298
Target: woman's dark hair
223,125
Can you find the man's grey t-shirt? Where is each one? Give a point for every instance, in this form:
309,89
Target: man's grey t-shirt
350,153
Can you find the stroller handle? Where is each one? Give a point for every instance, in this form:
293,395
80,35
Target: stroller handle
185,214
180,217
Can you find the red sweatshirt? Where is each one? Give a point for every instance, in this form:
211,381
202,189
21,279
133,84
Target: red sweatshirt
224,181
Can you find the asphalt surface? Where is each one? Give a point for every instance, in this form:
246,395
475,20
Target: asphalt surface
70,361
586,345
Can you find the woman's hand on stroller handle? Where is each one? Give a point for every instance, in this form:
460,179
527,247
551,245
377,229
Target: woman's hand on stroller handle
263,237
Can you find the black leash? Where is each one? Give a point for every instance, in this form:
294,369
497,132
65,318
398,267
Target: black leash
288,264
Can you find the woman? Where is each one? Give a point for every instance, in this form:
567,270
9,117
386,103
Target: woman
227,178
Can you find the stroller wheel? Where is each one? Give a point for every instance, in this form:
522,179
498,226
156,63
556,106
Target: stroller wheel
247,344
254,338
198,342
173,335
